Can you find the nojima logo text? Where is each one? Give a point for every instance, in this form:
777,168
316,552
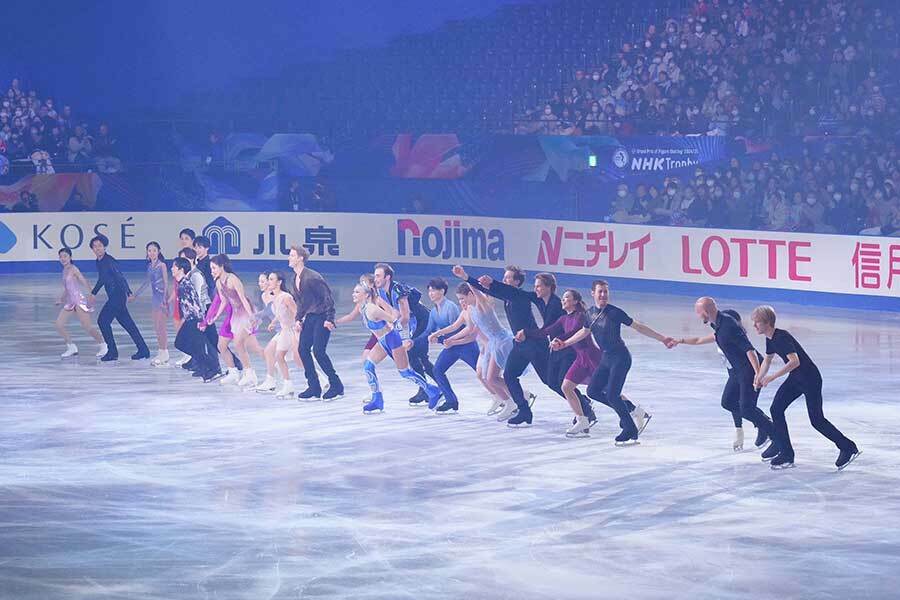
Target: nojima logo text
224,237
7,238
453,241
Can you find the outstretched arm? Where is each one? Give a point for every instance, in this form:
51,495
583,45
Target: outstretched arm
697,341
650,332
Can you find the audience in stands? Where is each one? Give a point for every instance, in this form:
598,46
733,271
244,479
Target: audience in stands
757,67
33,130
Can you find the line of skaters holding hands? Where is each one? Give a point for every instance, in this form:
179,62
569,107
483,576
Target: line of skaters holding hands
602,360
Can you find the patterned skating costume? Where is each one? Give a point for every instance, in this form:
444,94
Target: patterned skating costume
499,340
157,283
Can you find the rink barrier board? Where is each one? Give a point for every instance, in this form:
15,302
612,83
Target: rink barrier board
248,269
836,270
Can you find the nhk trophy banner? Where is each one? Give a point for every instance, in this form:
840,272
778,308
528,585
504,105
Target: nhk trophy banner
788,261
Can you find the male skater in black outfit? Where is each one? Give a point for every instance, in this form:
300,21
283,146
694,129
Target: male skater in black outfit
744,361
534,350
117,292
803,379
315,306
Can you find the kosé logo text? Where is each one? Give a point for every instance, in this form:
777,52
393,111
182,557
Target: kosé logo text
224,237
453,241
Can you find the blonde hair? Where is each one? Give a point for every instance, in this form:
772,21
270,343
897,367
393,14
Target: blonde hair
764,313
368,290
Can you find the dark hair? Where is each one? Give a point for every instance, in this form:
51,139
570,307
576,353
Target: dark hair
188,253
463,289
280,277
182,263
579,301
190,233
161,257
266,273
222,261
388,270
599,282
99,238
438,283
202,241
548,279
65,250
518,274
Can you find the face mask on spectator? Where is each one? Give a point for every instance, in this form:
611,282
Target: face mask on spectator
737,195
810,200
854,187
622,193
837,196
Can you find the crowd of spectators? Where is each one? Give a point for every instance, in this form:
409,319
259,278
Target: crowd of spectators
740,67
848,189
45,137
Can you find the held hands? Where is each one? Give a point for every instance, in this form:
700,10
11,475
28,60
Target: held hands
271,327
520,335
433,338
761,382
407,344
670,342
460,272
329,325
557,344
485,281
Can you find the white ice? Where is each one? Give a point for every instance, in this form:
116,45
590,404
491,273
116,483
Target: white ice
127,481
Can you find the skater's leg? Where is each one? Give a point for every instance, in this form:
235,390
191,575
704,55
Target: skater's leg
305,345
321,337
787,393
516,363
817,418
128,324
85,319
731,398
104,322
445,360
569,388
60,325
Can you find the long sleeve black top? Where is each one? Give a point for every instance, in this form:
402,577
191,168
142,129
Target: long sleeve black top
110,276
517,304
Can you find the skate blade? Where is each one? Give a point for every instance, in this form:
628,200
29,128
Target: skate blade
333,398
852,458
446,412
580,434
765,444
782,467
628,443
374,411
309,399
647,417
518,425
266,391
737,449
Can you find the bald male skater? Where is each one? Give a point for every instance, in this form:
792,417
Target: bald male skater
744,360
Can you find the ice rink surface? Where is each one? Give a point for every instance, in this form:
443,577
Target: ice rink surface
127,481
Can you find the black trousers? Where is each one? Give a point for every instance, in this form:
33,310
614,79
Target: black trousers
532,351
418,353
607,383
790,390
116,308
747,398
731,398
193,342
314,341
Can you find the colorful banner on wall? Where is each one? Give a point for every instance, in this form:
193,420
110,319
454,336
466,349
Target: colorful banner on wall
789,261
